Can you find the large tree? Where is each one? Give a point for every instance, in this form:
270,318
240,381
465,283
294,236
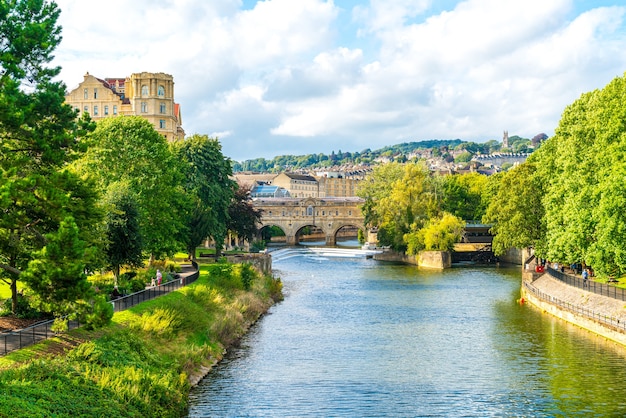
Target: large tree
128,149
516,210
244,218
124,245
39,136
582,172
210,188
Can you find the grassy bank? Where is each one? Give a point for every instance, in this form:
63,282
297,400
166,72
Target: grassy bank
140,365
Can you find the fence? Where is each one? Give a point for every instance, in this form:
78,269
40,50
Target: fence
578,310
591,286
15,340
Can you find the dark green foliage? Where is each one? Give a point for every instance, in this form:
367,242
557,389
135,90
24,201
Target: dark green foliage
100,315
209,189
247,273
39,136
24,309
257,246
56,274
123,231
243,216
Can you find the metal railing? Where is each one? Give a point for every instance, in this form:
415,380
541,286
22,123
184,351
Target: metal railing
577,309
15,340
591,286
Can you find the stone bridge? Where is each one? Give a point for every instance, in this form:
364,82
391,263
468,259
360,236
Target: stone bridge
330,214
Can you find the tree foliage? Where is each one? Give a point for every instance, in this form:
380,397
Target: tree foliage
582,172
405,202
244,218
209,187
128,149
56,273
439,234
39,136
516,211
124,245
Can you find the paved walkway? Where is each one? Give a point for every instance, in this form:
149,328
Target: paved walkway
14,340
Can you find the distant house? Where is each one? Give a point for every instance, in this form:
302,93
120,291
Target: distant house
298,185
149,95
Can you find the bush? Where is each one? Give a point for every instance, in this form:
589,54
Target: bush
246,273
24,310
257,246
101,314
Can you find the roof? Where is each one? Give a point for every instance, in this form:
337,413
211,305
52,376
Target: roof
300,177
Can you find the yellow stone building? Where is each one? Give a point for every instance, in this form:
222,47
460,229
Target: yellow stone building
149,95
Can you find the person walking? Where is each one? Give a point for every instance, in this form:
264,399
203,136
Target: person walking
159,277
585,277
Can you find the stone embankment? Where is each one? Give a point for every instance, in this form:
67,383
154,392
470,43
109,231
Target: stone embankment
599,314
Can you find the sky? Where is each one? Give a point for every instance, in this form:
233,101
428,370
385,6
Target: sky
295,77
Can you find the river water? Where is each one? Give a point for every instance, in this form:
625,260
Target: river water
359,338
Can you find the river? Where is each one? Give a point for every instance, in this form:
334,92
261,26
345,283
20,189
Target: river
359,338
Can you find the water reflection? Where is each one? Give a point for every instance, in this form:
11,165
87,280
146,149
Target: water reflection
362,338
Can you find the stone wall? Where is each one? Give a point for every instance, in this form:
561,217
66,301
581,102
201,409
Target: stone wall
585,323
427,259
262,262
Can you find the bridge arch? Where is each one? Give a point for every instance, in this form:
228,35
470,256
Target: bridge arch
329,214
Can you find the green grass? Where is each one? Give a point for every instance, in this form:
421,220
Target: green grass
138,366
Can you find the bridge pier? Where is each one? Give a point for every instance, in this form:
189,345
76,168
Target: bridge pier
331,240
291,239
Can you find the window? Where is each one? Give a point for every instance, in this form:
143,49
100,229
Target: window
162,124
162,108
309,211
86,109
144,90
106,109
95,93
161,91
115,109
144,107
95,110
86,93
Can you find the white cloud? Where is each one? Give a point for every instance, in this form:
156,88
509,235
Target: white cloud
281,77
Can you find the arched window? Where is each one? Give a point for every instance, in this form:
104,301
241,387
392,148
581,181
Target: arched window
161,91
144,90
309,211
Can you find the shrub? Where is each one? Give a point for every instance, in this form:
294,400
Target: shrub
24,310
257,246
246,273
100,315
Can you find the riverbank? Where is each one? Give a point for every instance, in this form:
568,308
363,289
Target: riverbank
145,362
568,302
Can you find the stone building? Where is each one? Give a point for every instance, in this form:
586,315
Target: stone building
149,95
298,185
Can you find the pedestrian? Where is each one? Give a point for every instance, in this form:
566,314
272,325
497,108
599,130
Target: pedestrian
585,277
159,277
153,282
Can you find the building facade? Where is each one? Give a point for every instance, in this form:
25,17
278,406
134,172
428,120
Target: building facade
149,95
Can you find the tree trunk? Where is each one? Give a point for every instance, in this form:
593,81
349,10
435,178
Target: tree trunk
14,296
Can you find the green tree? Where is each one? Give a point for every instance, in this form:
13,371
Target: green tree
244,218
56,274
461,195
376,186
582,172
128,149
439,234
516,211
210,189
124,242
39,136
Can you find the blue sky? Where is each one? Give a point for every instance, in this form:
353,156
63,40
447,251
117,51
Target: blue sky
280,77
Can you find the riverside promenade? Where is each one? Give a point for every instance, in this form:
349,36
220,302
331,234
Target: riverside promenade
596,307
14,340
